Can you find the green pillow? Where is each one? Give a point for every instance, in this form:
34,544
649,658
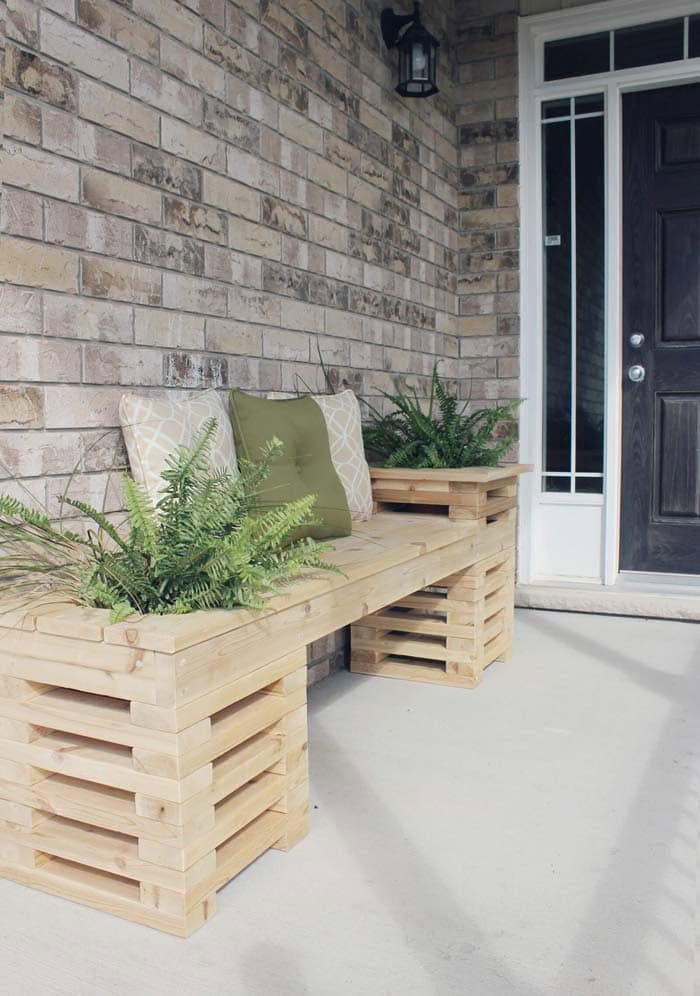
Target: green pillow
304,467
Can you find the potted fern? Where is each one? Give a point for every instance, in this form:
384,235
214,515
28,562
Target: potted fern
439,434
436,453
199,547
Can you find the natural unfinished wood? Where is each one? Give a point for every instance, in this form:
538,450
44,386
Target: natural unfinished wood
450,633
143,765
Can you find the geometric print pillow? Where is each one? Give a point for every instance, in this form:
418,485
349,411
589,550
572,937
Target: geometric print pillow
154,427
344,424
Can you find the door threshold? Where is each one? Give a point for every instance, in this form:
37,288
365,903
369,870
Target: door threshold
622,599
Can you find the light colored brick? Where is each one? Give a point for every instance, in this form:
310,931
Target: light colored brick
239,338
299,129
118,112
22,214
302,316
191,294
22,119
60,132
32,169
21,407
69,225
26,358
158,89
153,327
120,281
126,365
253,306
232,267
81,407
279,344
231,196
103,148
20,310
342,267
118,25
183,140
35,265
255,239
22,23
250,169
85,318
173,18
116,195
191,67
83,51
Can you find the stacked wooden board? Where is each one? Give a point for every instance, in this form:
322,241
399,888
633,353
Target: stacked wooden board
450,632
144,764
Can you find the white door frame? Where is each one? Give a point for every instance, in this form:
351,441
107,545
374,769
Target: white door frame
591,521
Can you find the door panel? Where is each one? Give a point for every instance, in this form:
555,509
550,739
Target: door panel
660,527
679,285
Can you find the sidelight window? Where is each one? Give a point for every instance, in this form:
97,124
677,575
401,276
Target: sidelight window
574,294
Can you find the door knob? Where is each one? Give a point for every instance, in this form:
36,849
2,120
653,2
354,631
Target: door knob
636,373
636,340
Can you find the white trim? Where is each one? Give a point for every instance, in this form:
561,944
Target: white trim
533,32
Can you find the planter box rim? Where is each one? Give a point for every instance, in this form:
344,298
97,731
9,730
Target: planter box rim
478,475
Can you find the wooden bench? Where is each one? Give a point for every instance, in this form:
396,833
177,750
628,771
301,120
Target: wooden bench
144,764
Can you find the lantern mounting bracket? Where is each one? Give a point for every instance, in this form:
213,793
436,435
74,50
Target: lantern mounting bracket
392,24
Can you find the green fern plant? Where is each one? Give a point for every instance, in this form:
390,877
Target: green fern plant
438,433
206,544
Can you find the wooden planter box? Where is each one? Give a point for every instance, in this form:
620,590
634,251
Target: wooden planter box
450,632
122,788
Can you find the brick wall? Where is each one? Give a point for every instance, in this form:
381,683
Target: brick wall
202,193
487,119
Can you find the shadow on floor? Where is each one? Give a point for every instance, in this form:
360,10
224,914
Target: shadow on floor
668,795
405,881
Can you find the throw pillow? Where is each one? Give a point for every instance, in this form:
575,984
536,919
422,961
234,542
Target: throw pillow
344,424
154,427
305,465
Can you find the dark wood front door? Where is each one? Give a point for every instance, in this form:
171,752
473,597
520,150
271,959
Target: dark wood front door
660,526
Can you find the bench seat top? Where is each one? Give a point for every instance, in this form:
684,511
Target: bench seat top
387,558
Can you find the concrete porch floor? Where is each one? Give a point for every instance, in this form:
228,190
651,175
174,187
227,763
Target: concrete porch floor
536,836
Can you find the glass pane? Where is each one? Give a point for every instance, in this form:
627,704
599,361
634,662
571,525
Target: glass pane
590,294
694,37
589,485
557,275
592,103
648,44
556,108
577,56
556,484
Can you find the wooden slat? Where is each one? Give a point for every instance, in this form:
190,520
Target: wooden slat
389,668
481,475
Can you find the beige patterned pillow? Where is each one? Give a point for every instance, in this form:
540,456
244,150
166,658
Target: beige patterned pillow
154,427
344,423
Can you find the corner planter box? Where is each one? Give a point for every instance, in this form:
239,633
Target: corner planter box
450,632
139,778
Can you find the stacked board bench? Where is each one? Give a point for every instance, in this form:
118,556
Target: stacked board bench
450,632
144,764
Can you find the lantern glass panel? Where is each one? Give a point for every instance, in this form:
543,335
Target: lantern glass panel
420,61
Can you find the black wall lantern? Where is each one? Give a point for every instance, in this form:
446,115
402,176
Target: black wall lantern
417,52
